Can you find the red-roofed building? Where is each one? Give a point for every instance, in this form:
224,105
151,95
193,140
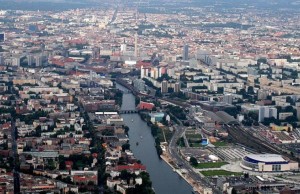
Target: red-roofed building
130,168
142,63
69,165
85,179
5,126
145,106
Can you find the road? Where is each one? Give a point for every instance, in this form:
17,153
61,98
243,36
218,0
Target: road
15,157
16,173
186,142
177,159
114,16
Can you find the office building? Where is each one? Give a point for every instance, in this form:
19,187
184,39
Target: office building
123,48
177,87
96,53
145,72
262,95
38,60
298,112
164,87
30,60
2,37
185,53
155,72
16,60
2,58
228,98
156,117
266,112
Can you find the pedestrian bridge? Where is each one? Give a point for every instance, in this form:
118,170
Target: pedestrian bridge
128,111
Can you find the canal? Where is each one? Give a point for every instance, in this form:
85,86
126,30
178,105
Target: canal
164,179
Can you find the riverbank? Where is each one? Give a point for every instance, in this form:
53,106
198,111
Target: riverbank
196,188
142,144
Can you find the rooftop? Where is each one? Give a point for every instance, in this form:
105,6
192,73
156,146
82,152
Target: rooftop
266,157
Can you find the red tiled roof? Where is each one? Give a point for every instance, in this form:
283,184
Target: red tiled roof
144,64
69,163
145,105
132,167
78,178
95,155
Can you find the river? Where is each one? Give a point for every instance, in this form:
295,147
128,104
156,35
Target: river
164,179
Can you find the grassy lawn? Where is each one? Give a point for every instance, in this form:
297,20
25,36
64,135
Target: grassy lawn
220,173
180,142
160,135
220,143
210,165
193,136
168,134
195,145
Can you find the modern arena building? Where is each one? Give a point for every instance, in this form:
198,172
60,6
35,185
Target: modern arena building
268,163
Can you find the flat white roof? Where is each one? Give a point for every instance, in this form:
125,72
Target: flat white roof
267,157
106,113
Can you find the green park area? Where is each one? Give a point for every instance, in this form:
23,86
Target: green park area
210,165
193,136
220,173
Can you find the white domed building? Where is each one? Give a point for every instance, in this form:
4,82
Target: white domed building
268,163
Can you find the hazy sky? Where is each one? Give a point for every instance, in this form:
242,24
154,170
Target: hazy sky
71,4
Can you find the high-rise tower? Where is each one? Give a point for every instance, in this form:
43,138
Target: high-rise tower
185,53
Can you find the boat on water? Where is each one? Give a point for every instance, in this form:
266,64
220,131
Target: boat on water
141,137
137,143
131,120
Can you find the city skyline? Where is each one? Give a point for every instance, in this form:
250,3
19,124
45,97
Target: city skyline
148,96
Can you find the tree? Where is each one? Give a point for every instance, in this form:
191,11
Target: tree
289,109
125,175
91,183
154,130
289,100
62,164
125,146
292,154
250,90
126,128
253,116
233,191
158,93
51,165
38,131
262,60
220,90
291,119
193,161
